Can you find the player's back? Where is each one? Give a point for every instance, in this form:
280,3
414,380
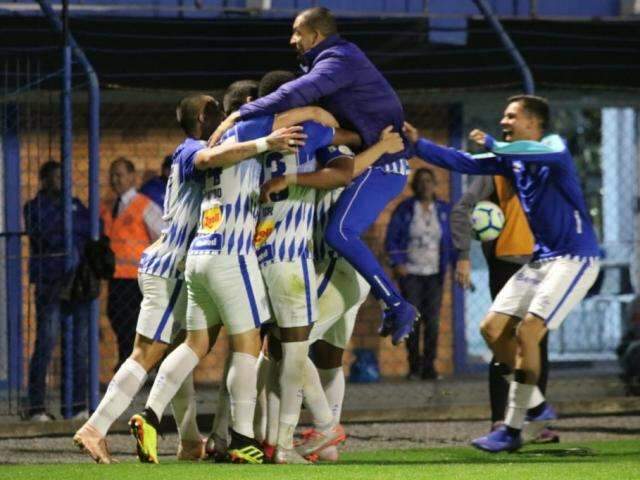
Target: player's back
183,195
286,224
229,207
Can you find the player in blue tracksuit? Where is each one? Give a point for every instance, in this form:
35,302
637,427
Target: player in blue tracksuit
345,82
565,260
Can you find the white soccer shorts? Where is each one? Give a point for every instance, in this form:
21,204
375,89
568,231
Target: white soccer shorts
341,292
163,308
227,290
548,289
291,287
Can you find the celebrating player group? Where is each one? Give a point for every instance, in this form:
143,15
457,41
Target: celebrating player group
265,208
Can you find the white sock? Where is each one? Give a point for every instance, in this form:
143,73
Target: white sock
273,401
294,356
519,399
184,410
334,386
220,428
315,399
260,417
536,397
173,371
241,384
124,385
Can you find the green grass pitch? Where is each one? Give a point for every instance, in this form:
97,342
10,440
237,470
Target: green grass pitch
610,460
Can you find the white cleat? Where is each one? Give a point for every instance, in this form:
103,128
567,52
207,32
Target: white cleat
89,440
288,456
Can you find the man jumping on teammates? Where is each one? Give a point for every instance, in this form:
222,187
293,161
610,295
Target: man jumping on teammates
350,87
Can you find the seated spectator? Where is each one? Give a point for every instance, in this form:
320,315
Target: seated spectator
132,222
44,221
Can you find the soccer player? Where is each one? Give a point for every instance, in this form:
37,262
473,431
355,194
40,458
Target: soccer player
341,290
283,246
565,260
228,181
351,88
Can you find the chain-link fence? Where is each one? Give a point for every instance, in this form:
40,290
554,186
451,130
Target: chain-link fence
138,129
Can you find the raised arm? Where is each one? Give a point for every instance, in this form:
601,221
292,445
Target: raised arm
229,153
328,75
389,142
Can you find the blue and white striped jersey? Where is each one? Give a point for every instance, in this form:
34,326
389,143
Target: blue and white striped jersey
325,199
166,256
547,183
285,226
229,208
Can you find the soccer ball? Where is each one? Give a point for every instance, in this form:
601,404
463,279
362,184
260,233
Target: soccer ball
487,221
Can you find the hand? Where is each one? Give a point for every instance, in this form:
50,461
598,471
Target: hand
478,136
391,141
275,185
410,132
225,125
286,139
400,271
463,273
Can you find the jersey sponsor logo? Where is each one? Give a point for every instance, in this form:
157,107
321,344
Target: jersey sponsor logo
263,231
211,218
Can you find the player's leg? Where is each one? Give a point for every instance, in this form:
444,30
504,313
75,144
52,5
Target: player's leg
164,303
563,283
218,441
356,209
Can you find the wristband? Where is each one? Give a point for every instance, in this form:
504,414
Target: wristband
262,145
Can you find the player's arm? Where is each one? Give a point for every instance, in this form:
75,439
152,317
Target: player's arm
230,153
328,75
549,152
389,142
452,159
321,116
460,223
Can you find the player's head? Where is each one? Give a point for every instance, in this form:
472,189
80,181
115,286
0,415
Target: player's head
525,118
311,27
239,93
423,183
271,81
122,175
50,175
199,115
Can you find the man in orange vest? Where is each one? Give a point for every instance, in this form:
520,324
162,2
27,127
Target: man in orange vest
132,222
504,256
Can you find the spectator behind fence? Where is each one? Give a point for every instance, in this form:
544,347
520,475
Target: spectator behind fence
419,246
155,187
132,222
44,222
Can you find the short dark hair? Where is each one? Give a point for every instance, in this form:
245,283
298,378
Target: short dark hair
319,19
166,163
190,107
534,105
271,81
128,164
47,168
418,173
236,95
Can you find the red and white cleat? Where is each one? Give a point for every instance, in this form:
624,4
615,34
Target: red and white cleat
89,440
289,456
191,450
313,441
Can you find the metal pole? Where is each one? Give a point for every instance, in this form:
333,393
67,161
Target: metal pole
67,195
527,79
94,190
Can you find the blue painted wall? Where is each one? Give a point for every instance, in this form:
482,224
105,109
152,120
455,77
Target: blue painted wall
576,8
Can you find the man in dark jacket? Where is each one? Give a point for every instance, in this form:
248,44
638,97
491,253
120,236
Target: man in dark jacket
43,216
345,82
419,247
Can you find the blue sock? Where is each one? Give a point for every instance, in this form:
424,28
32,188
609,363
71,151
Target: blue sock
356,209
